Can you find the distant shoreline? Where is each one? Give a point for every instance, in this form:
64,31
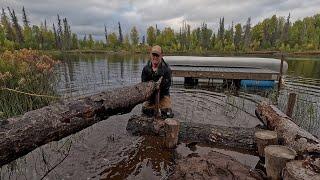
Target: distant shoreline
208,53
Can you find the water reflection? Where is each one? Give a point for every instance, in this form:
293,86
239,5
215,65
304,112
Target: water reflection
87,74
147,160
105,150
305,67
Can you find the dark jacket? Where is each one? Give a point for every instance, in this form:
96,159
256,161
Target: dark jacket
163,70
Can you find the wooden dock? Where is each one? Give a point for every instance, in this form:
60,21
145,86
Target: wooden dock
256,71
225,73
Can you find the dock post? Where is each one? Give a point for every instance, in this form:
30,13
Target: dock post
291,103
281,72
190,81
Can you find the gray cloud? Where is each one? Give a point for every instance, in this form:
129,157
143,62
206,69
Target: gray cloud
90,16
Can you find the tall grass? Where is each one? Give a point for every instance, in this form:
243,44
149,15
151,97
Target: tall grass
306,113
26,81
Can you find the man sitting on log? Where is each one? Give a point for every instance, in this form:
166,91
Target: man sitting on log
153,71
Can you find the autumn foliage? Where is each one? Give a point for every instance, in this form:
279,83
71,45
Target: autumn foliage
26,71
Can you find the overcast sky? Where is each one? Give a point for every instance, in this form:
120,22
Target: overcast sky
90,16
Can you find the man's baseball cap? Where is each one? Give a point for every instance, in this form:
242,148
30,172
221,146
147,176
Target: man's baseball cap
156,49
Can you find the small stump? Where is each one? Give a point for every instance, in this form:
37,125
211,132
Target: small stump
171,128
276,158
264,138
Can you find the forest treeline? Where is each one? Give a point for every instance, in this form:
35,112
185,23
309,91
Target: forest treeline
271,34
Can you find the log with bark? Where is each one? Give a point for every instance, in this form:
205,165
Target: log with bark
302,170
289,133
227,137
20,135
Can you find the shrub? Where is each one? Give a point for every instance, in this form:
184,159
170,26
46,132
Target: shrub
26,81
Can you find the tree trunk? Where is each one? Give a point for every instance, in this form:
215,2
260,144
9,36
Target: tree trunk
229,137
22,134
290,133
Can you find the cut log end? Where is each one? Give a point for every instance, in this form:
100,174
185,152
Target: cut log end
264,138
276,158
172,127
280,151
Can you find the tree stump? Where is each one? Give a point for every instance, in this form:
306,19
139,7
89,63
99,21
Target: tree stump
264,138
296,170
172,127
276,158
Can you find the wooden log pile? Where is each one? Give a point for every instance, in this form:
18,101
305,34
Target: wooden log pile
20,135
289,133
292,136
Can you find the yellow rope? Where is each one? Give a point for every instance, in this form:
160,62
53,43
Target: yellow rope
30,94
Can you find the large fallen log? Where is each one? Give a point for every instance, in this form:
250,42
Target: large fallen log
22,134
289,133
228,137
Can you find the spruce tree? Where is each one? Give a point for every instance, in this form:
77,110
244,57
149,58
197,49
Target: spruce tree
120,34
221,29
134,35
24,18
157,31
106,34
7,26
16,26
151,36
247,34
45,25
55,36
59,32
238,37
285,33
66,35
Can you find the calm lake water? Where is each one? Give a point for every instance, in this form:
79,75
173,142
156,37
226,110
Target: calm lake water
106,151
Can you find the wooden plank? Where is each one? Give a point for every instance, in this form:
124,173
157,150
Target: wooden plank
225,75
221,69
